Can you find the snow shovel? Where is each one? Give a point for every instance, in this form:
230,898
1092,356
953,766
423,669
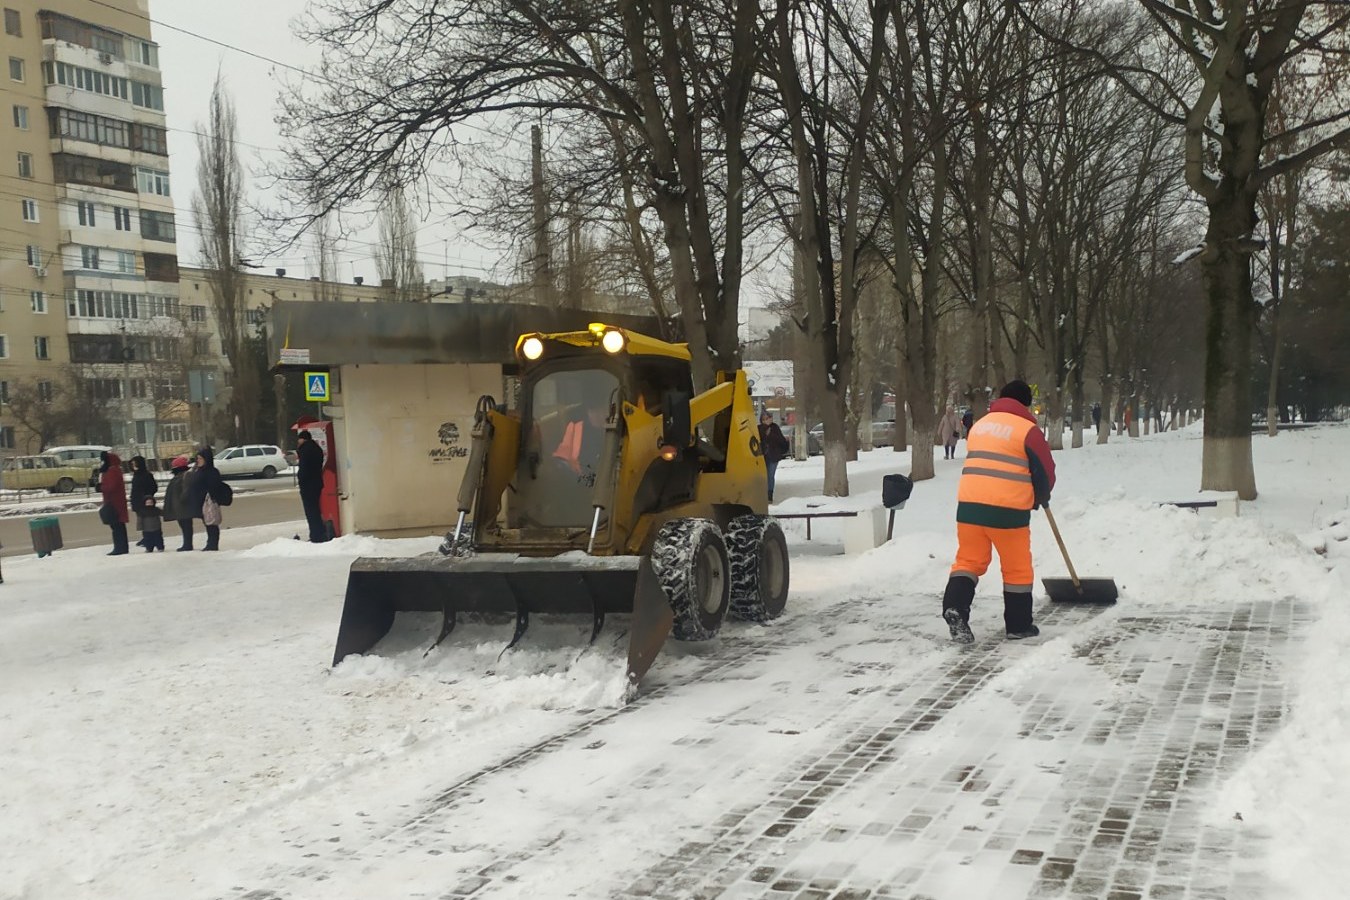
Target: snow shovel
1074,589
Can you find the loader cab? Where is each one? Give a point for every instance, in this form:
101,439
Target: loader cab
565,411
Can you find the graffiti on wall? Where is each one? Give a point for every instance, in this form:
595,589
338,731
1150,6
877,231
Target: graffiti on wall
450,444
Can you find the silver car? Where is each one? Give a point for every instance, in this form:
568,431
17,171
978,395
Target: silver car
258,460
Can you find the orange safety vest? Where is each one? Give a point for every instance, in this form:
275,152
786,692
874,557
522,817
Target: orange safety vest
569,448
997,471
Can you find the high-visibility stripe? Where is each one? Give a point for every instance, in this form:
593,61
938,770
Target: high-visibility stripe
998,457
956,573
995,473
1017,588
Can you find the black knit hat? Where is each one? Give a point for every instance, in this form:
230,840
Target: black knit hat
1017,390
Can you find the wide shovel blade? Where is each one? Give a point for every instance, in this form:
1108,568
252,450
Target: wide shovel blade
1085,590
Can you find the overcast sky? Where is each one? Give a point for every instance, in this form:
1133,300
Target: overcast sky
190,63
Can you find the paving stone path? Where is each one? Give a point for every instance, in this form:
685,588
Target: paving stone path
1099,793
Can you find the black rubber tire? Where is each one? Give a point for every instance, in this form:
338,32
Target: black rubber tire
689,558
461,548
65,485
759,568
269,472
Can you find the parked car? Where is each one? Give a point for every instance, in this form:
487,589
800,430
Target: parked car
42,472
258,460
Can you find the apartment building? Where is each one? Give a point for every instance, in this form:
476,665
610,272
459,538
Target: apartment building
90,319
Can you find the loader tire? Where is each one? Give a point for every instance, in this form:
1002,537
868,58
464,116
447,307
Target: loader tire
689,559
759,568
459,549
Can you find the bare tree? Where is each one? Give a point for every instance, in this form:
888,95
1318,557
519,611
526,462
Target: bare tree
1236,50
403,79
326,258
218,207
396,254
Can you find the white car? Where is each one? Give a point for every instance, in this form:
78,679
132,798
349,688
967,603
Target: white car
260,460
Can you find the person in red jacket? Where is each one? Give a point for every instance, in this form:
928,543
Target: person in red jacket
1008,472
112,485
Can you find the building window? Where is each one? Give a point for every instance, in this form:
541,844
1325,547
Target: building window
173,432
45,392
15,69
157,226
71,169
13,23
7,437
4,391
35,256
86,210
83,79
138,391
161,267
152,181
147,54
126,262
39,301
201,346
161,305
21,117
197,313
40,348
4,353
30,211
164,348
147,96
25,165
122,218
149,139
89,257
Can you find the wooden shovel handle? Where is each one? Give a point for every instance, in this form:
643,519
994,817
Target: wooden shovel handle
1062,549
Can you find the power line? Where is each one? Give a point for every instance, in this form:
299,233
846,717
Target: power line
202,37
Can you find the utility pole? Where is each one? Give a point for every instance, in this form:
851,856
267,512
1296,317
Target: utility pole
127,353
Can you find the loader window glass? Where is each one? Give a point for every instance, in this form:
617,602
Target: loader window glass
568,411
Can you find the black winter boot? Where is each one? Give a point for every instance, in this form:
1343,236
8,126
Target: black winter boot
956,608
212,537
1017,615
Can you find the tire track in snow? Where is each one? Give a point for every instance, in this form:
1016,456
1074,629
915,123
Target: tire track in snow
857,737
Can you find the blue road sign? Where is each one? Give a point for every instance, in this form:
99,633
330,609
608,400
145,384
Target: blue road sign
316,387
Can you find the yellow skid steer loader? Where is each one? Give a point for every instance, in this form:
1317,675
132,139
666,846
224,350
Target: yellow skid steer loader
614,489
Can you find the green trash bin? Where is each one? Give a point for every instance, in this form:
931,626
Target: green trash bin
46,533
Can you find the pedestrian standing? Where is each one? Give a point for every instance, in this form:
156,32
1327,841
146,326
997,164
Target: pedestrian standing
967,419
176,500
152,526
949,430
204,490
142,485
112,486
1008,472
773,445
309,478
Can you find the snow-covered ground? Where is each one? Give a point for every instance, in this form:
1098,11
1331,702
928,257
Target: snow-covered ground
172,728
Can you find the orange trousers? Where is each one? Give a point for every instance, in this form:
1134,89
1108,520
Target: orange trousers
975,546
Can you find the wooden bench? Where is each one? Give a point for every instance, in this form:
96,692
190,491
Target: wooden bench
808,516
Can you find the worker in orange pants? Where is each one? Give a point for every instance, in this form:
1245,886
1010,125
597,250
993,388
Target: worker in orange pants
1008,472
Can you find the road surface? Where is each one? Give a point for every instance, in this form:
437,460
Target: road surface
255,503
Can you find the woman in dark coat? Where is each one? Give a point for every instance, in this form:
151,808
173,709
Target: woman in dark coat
112,485
203,486
176,500
142,485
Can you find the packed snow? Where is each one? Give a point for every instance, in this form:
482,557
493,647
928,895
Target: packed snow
173,728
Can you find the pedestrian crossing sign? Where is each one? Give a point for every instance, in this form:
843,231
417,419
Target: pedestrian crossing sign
316,387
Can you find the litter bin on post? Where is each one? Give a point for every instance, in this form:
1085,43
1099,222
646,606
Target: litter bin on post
46,533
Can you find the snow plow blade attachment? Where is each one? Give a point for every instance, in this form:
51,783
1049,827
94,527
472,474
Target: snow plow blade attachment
1083,590
379,589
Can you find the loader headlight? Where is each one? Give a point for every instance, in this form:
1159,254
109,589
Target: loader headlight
613,341
669,452
533,348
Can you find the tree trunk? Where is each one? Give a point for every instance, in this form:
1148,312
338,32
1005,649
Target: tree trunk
1230,313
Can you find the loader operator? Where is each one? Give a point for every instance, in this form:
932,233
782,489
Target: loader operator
1008,473
584,440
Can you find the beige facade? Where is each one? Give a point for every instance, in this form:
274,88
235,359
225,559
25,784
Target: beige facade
88,265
